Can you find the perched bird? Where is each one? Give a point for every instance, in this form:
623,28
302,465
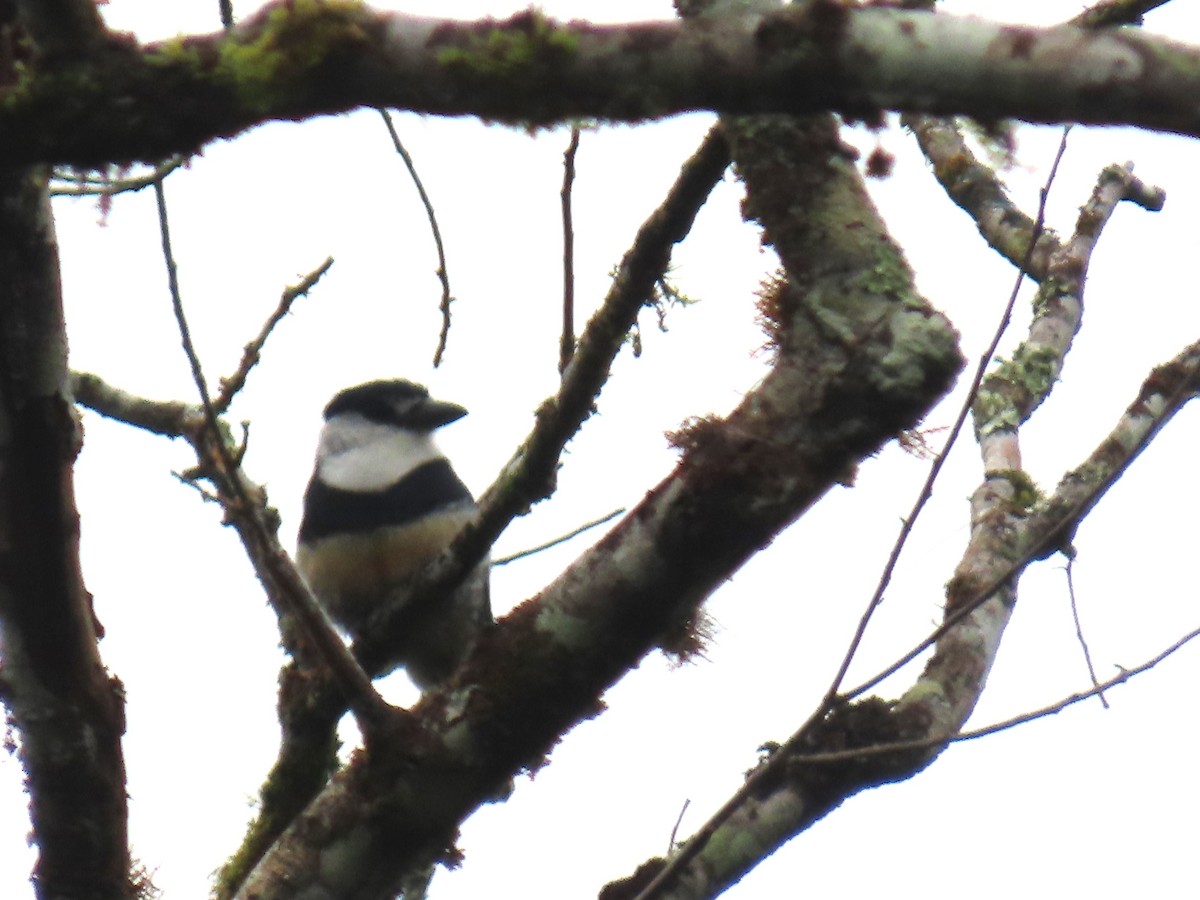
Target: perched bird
383,502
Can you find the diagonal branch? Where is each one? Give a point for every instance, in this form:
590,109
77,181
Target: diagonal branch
858,359
530,475
975,186
783,796
770,809
1010,394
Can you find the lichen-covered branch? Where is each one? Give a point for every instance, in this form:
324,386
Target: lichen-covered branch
1166,390
975,187
787,795
530,475
69,713
528,478
1010,394
974,184
856,363
294,60
1010,529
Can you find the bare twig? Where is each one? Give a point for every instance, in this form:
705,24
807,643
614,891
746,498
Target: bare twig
69,183
442,274
1079,491
373,712
675,831
586,526
1087,655
251,353
926,492
1097,690
566,343
529,475
1046,532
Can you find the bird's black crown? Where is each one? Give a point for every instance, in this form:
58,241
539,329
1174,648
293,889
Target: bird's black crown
395,402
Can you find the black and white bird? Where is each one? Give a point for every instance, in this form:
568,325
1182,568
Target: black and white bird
382,503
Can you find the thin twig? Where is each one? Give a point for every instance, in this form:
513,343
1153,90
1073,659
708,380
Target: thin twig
770,771
253,350
185,334
371,709
225,8
529,476
84,185
926,492
1087,655
442,274
1049,710
675,831
566,343
512,557
1051,534
1048,538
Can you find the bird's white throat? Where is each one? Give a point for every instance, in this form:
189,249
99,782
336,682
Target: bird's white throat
357,454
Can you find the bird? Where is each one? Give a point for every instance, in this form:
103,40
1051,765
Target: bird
382,503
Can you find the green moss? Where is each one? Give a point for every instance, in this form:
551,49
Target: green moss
1033,368
1026,494
178,50
277,54
993,412
520,50
294,39
1048,290
1016,388
922,347
890,276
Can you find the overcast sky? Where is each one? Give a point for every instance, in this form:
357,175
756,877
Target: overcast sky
1090,802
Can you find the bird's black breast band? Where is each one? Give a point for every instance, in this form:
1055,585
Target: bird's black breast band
426,489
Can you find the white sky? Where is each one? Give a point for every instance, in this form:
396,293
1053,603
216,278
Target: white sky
1090,803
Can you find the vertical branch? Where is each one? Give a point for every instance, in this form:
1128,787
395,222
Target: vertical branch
69,713
566,345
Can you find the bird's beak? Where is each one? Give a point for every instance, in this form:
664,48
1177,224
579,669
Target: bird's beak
430,414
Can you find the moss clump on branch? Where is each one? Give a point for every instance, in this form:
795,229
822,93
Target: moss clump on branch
519,54
274,59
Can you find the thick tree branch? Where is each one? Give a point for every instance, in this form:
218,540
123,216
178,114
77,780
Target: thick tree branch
296,60
529,476
1019,385
790,793
69,712
62,30
861,356
782,799
975,186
